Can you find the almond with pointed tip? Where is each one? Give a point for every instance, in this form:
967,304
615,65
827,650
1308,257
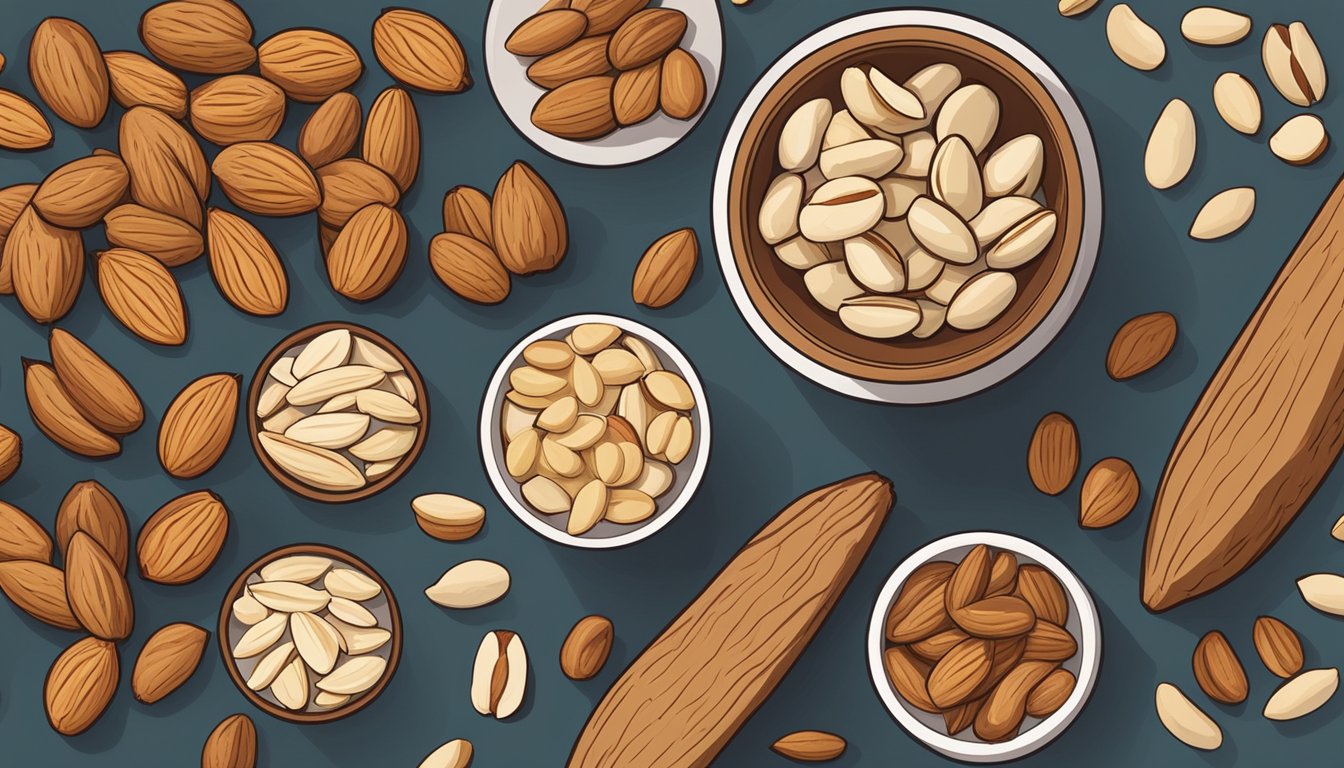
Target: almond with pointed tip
392,136
1110,492
167,660
1224,214
529,224
810,746
97,389
546,32
79,193
331,131
1052,456
168,168
97,589
135,80
89,507
21,537
22,125
1278,645
635,95
1141,344
1218,670
349,184
681,88
309,64
38,589
369,253
232,744
205,37
666,268
580,110
80,685
1133,41
1303,694
420,51
142,294
67,70
466,211
56,415
1171,146
1238,102
245,266
646,36
46,266
11,453
586,648
161,235
198,425
469,267
236,108
266,179
180,541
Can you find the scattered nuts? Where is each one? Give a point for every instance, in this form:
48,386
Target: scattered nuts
1294,63
470,584
1110,491
499,676
1300,141
1133,41
1141,344
666,268
810,746
1227,212
1303,694
455,754
1171,146
1052,456
1218,670
1238,102
586,648
1184,720
1075,7
1324,592
1278,646
448,517
1215,26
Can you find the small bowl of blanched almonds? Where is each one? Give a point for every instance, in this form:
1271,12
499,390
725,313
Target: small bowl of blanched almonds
595,431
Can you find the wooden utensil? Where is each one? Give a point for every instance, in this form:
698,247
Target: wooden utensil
680,702
1265,432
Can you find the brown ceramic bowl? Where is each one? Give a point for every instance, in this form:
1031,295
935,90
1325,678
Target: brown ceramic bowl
777,291
298,486
229,631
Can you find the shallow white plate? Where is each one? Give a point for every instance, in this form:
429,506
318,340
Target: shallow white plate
1015,359
1084,624
517,95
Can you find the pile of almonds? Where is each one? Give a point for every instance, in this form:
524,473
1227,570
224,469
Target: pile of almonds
891,208
981,642
607,64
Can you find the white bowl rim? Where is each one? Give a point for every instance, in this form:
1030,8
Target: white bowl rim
489,431
1041,734
1019,356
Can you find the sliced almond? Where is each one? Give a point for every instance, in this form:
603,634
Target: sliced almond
549,355
246,610
360,640
387,444
535,382
800,139
1171,146
329,430
1000,216
351,585
669,390
317,642
628,507
1309,60
317,467
1226,213
591,338
1324,592
270,666
843,129
289,596
325,384
386,406
634,408
290,687
1133,41
261,636
1215,26
632,464
1300,141
1238,102
469,584
272,397
283,371
354,676
590,506
352,613
942,232
327,350
546,496
659,432
365,352
304,569
878,317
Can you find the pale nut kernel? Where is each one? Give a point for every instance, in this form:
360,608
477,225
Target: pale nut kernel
1215,26
982,300
954,178
1227,212
800,140
803,254
1238,102
972,112
1300,141
880,317
1000,216
843,129
874,263
1171,146
940,231
1023,242
1133,41
870,158
900,194
1016,167
831,285
778,219
841,209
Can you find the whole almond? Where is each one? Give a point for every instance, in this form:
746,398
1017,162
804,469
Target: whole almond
22,125
1049,642
971,578
266,179
960,672
180,541
392,136
67,70
926,617
97,389
1303,694
233,744
1004,616
909,675
13,201
682,86
1218,670
79,193
97,590
579,110
634,97
332,130
935,647
418,50
1043,593
21,537
546,32
38,589
530,230
959,718
46,265
606,15
136,81
586,57
91,508
211,38
447,517
666,268
236,108
810,746
161,235
167,660
198,425
11,453
1002,575
469,268
921,583
1278,645
1110,491
1003,711
499,678
309,64
143,295
1051,693
586,648
245,266
80,685
55,413
1141,344
350,184
369,253
168,169
1171,146
646,36
466,211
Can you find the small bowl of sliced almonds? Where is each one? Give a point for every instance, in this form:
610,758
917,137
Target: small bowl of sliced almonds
310,633
595,431
984,646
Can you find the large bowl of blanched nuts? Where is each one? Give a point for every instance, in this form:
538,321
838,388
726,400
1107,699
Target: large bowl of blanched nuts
906,202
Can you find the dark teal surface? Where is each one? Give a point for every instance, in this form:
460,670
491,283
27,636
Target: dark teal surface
955,467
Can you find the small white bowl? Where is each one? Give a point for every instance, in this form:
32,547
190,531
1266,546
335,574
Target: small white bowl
1083,624
605,535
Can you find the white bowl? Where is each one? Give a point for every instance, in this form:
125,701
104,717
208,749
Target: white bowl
1083,624
605,535
517,95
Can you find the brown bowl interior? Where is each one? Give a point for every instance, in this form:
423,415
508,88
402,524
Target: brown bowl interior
236,591
298,486
777,290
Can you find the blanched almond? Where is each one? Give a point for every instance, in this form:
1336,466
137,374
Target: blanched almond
354,676
329,430
387,444
954,178
871,158
1300,141
942,232
971,112
386,406
289,596
316,641
1016,167
324,385
874,263
1215,26
981,300
843,129
1133,41
327,350
1238,102
318,467
1023,242
1171,146
800,139
1302,695
1184,720
304,569
270,666
470,584
261,636
546,496
880,317
1226,213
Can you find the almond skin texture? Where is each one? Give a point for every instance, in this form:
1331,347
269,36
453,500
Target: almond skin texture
909,675
1043,593
1051,693
237,108
21,537
13,202
369,253
586,648
1003,711
233,744
212,38
578,110
466,211
351,184
80,685
1141,344
38,589
245,266
46,266
136,81
1049,642
469,268
1218,670
682,88
971,578
392,136
635,96
332,130
59,419
168,659
918,590
79,193
168,169
585,58
198,425
97,389
1278,645
67,70
309,64
97,590
606,15
956,676
1110,491
22,126
180,542
1052,456
810,746
546,32
11,453
666,268
143,295
530,230
91,508
266,179
1005,616
161,235
645,37
420,51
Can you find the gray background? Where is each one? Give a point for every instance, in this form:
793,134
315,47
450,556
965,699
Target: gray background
956,467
